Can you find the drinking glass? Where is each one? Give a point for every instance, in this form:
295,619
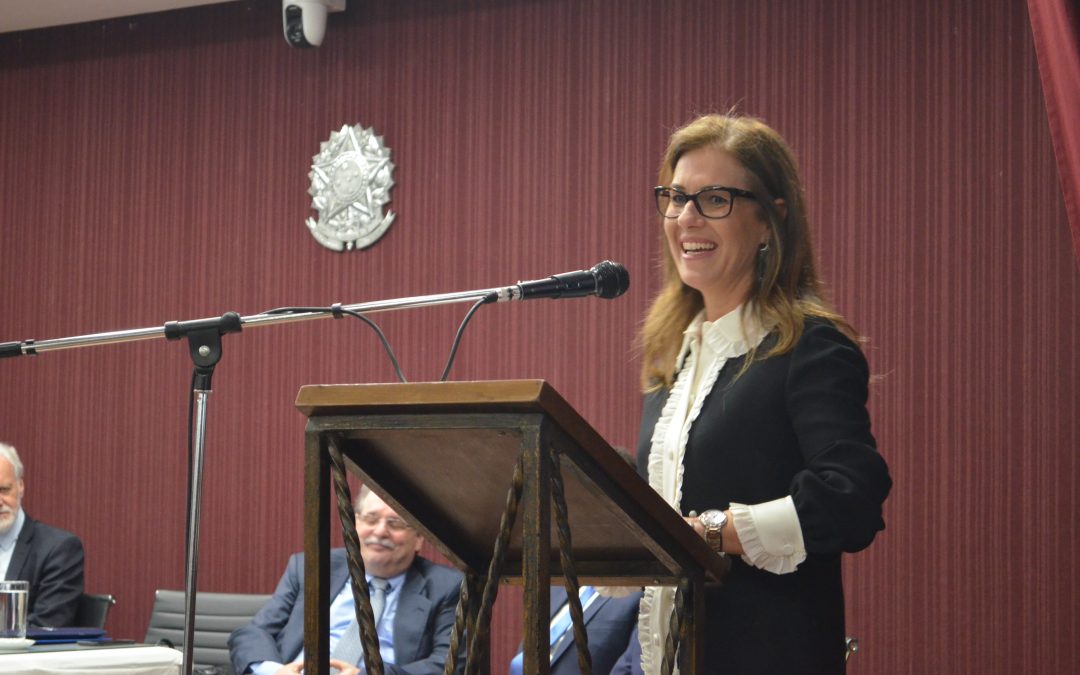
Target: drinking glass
14,597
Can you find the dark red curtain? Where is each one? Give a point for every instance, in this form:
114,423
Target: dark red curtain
1057,44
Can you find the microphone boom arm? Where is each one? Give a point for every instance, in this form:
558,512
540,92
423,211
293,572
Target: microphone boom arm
606,280
30,347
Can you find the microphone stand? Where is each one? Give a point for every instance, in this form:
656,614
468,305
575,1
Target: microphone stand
204,345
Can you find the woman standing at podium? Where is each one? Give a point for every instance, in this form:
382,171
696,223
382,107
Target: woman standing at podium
755,424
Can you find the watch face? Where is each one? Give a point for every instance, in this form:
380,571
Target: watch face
712,518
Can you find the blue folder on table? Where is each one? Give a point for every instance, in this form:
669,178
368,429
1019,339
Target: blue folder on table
45,635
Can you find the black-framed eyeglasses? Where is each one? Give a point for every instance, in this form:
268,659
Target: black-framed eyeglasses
715,201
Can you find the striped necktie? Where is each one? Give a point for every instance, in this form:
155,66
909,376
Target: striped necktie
349,648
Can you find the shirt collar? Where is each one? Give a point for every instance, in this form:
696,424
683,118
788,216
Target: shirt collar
395,582
733,334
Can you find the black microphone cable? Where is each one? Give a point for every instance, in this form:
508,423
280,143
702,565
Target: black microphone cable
487,299
606,280
337,310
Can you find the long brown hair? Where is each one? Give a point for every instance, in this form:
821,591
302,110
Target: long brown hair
787,288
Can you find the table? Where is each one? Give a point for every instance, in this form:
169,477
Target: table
72,659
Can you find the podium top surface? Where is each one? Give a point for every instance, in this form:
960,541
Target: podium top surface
337,399
443,455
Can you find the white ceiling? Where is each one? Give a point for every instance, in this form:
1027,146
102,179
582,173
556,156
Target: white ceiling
26,14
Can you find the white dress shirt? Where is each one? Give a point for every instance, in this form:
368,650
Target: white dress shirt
342,612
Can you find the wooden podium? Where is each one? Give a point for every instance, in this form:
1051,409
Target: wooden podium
447,456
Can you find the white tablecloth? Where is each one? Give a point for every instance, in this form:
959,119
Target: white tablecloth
117,660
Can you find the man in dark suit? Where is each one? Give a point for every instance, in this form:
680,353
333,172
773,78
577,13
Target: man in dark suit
49,558
414,610
609,621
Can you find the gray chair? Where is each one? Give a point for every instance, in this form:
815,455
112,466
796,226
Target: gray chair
216,616
93,610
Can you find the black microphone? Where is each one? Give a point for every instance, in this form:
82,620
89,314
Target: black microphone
606,280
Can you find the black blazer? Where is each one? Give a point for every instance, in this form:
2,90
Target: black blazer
794,424
51,559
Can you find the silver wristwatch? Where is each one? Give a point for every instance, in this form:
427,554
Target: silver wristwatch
714,521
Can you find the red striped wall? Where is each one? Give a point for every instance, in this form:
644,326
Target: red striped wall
155,168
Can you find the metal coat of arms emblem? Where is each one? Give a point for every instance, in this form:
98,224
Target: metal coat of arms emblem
351,179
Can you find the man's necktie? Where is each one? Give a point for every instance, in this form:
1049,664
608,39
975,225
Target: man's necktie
348,648
379,587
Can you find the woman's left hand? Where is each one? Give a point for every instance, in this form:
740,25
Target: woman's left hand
693,522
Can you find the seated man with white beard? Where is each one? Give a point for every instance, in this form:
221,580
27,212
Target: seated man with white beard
413,600
49,558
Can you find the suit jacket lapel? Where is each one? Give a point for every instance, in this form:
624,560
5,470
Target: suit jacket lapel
339,576
291,640
21,551
586,617
413,607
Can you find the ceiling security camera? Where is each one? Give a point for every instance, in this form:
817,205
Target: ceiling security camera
304,21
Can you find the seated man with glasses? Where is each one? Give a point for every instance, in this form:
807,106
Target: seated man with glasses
413,600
